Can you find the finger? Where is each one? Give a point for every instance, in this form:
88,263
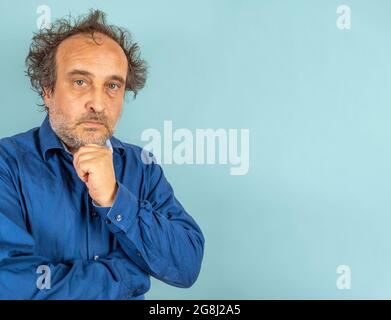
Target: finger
95,152
93,146
85,178
86,157
85,149
82,173
88,153
85,167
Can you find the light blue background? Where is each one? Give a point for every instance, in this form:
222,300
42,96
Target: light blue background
317,103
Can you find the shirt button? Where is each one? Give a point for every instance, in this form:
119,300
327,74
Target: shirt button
138,253
96,258
107,221
94,214
118,217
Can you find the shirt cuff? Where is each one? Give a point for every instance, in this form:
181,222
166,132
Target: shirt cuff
123,212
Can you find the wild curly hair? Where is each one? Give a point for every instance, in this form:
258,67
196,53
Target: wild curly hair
41,59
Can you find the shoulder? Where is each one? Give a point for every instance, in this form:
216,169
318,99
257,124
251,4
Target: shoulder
143,160
143,156
13,147
155,178
20,142
12,150
135,153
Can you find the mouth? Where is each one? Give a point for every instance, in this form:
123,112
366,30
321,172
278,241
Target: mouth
92,123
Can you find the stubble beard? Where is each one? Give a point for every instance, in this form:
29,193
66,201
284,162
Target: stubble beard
78,136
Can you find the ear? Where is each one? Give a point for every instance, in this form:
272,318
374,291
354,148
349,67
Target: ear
47,96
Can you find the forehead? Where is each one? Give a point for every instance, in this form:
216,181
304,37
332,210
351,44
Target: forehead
100,56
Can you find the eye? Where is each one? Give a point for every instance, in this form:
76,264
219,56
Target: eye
114,86
79,82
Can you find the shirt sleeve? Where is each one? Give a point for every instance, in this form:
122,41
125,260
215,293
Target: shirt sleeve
111,277
156,232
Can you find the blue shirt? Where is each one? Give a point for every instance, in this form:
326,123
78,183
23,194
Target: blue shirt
47,218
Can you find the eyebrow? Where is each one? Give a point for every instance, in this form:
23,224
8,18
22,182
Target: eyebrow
89,74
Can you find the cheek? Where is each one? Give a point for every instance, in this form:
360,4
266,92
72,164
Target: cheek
116,106
65,94
114,114
65,109
68,104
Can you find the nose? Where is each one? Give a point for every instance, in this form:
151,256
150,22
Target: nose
97,102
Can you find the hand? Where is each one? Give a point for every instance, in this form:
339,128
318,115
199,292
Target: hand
94,166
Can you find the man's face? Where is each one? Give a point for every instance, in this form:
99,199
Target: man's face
90,86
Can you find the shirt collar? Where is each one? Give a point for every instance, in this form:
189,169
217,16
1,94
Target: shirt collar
50,141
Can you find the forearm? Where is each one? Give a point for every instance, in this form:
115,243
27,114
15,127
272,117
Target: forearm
163,240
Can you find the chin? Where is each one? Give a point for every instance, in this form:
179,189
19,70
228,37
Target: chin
100,140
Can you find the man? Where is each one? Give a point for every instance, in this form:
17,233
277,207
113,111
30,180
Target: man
82,214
